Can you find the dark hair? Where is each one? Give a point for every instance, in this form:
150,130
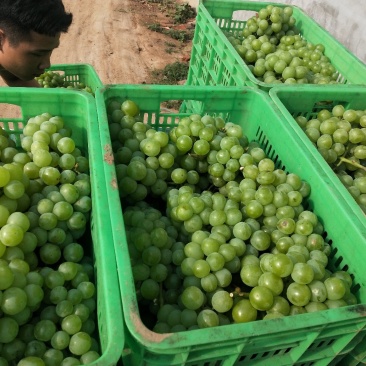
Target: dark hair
19,17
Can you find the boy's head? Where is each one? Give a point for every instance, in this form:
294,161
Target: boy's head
29,31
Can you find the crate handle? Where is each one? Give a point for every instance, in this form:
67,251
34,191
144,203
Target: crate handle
9,111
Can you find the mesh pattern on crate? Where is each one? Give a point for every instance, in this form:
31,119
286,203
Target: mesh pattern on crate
14,128
211,63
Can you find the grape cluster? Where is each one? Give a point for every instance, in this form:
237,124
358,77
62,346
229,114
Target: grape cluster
339,135
237,242
52,79
47,291
275,52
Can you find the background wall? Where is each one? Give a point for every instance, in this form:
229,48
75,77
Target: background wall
345,20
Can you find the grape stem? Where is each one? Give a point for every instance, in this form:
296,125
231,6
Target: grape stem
239,293
161,298
348,161
197,157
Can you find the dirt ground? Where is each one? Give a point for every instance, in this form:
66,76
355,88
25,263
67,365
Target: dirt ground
113,37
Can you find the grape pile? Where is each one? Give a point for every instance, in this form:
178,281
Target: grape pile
275,52
216,233
47,291
339,135
52,79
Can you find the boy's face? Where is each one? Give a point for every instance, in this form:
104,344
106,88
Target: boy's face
29,58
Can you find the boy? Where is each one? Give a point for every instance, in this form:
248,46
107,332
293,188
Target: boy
29,31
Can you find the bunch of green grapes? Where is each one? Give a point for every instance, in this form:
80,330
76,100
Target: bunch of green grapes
270,44
244,246
255,252
193,152
47,291
53,79
339,135
155,249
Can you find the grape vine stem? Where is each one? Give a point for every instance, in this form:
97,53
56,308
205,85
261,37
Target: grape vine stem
348,161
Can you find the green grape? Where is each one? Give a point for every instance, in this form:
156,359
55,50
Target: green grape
209,283
192,298
207,318
261,298
215,261
11,234
243,312
80,343
302,273
71,324
318,291
31,361
149,289
335,288
281,265
298,294
73,252
14,300
222,301
272,282
280,306
44,330
201,268
89,357
224,277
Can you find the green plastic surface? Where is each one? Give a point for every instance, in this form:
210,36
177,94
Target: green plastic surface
214,61
307,101
79,73
308,339
79,112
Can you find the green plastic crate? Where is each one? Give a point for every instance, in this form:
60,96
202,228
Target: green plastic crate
307,102
79,73
214,61
308,339
357,357
79,112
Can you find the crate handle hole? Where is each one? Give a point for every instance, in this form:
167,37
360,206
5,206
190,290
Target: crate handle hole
243,14
10,111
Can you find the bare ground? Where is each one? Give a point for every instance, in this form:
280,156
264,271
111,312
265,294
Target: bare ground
113,37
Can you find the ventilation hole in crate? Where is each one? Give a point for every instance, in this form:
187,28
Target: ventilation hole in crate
275,159
325,235
341,79
10,111
318,345
283,351
338,261
264,354
356,288
324,343
270,151
333,253
265,146
253,356
243,14
324,104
